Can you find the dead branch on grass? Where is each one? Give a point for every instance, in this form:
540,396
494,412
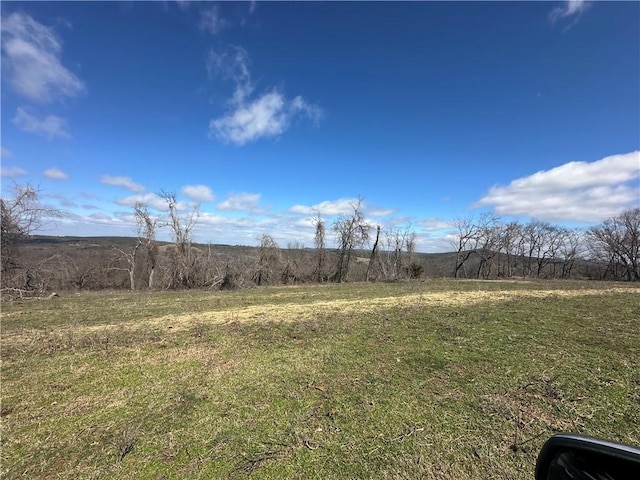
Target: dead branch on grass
126,442
249,464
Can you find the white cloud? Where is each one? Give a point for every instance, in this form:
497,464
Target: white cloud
211,21
434,244
101,218
263,117
240,202
31,59
50,126
569,8
5,152
342,206
434,224
579,191
380,212
198,193
124,182
149,199
55,174
212,220
12,172
269,115
156,202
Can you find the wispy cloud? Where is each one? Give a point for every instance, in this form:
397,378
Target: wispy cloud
342,206
198,193
55,174
434,224
379,211
232,63
124,182
248,120
12,172
149,199
154,201
31,59
63,200
5,152
240,202
579,191
569,9
50,126
211,21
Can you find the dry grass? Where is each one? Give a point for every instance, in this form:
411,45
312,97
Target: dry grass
419,380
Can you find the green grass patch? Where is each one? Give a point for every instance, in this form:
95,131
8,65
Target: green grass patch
436,379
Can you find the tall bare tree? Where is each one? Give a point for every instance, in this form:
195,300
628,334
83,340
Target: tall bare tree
352,232
131,260
320,272
374,260
147,226
181,225
509,236
571,249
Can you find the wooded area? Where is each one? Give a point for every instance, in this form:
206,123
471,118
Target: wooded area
484,247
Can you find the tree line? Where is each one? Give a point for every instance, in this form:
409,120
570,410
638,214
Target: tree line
488,248
483,247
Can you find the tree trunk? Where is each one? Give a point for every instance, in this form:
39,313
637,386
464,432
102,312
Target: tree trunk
374,252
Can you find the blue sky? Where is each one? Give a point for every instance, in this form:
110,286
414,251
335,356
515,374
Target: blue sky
264,112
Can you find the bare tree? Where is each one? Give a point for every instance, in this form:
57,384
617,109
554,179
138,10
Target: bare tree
182,270
509,236
374,260
268,260
546,246
352,232
321,252
293,260
399,247
475,236
488,246
131,262
570,250
465,242
618,239
21,215
147,226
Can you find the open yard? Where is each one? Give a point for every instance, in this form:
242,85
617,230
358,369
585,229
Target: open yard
436,379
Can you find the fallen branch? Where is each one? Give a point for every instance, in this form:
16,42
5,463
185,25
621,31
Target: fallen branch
518,446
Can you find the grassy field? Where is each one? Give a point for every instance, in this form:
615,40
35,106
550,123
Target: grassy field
436,379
